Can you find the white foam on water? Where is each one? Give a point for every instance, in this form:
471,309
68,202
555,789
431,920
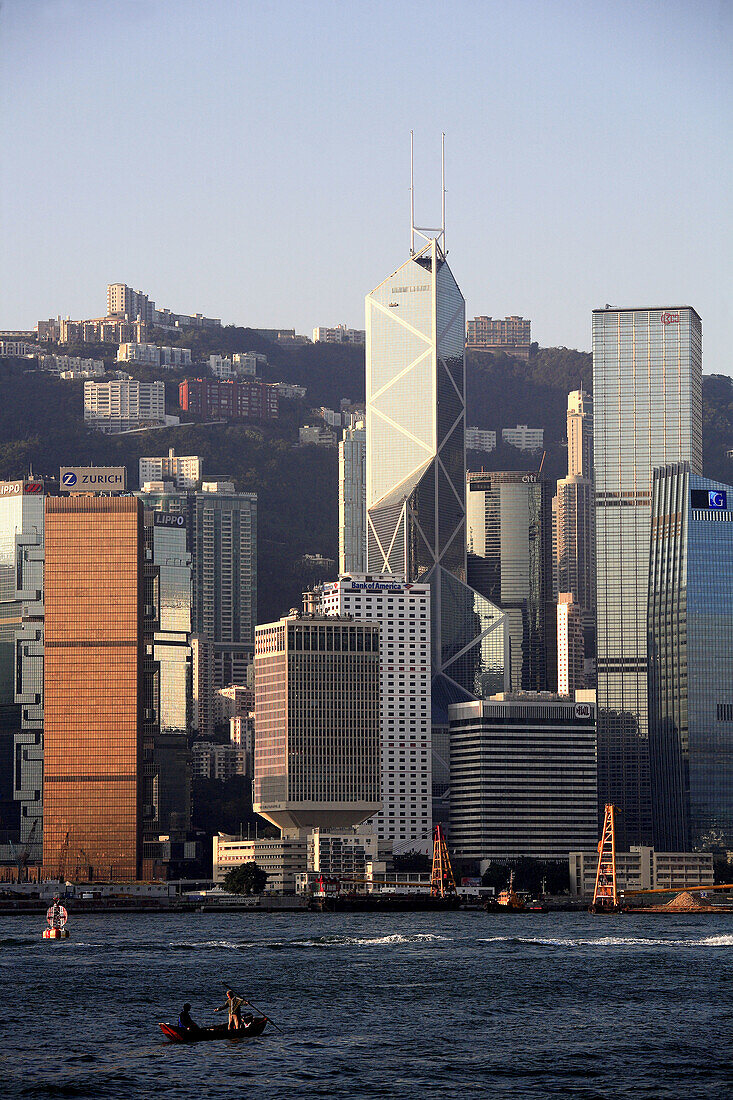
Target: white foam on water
324,941
614,941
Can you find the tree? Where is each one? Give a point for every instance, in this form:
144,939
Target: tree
247,879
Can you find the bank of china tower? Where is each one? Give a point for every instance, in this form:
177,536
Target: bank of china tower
416,469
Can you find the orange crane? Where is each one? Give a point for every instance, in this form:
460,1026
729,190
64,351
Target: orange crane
442,882
605,895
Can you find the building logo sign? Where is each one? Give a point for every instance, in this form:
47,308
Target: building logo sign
670,318
375,586
11,488
93,479
709,499
168,519
33,487
583,710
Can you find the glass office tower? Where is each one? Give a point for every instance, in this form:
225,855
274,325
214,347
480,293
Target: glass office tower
647,397
167,672
93,684
509,561
21,664
221,526
416,504
691,661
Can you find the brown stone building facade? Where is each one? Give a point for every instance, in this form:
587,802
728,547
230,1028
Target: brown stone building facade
93,683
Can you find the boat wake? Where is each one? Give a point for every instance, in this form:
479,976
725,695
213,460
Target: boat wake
612,941
395,939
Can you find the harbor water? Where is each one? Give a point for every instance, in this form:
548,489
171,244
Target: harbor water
373,1005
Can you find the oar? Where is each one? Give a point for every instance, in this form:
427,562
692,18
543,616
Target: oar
268,1018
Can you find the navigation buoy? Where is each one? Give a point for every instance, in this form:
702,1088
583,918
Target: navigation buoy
56,919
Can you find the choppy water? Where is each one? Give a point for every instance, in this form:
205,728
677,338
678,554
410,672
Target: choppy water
373,1005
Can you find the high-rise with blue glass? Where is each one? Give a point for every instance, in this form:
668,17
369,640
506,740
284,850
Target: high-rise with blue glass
647,397
691,660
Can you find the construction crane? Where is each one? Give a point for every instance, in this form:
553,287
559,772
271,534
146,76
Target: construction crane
442,882
605,895
86,866
23,856
63,856
677,889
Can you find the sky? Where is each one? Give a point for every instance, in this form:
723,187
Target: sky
250,160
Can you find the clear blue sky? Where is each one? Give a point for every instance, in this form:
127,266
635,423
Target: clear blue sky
251,160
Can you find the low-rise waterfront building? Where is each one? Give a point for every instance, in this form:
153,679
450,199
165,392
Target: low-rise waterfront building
643,868
281,858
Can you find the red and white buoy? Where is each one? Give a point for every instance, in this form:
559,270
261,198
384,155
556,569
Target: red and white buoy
56,919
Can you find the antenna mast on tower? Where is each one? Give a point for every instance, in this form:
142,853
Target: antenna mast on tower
428,233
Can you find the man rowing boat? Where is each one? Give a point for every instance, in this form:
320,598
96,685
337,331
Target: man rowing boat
234,1007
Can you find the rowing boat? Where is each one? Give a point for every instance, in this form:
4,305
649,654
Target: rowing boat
176,1034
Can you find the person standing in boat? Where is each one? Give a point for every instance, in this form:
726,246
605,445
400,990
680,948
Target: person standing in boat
234,1007
185,1020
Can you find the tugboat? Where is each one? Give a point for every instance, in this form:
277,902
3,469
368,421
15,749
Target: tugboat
508,899
56,919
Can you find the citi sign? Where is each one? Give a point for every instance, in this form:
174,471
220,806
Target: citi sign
670,318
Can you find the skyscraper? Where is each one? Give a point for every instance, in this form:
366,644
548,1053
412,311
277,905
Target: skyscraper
575,559
317,721
691,660
222,534
93,681
647,395
523,777
352,500
403,613
21,660
416,505
576,507
510,563
167,671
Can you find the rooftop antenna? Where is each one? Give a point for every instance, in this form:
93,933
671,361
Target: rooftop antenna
442,189
428,233
412,193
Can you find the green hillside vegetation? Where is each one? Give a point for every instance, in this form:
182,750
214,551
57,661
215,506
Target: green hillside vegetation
42,427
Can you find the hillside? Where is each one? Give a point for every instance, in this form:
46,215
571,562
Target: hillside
42,427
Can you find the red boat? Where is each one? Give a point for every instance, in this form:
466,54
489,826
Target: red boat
176,1034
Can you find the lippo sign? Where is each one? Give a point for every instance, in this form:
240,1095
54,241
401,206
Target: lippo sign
19,488
92,479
